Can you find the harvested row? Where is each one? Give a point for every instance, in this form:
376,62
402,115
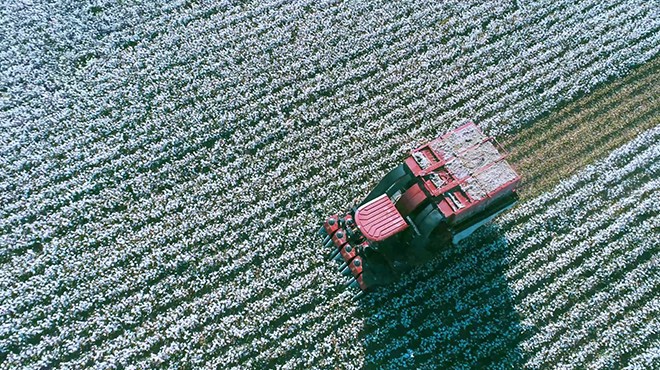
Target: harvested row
586,129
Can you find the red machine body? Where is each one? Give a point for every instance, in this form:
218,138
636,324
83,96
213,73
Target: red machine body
379,219
442,192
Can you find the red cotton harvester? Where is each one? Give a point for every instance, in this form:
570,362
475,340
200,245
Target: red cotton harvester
441,193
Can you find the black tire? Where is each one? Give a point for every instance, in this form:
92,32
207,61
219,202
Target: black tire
395,180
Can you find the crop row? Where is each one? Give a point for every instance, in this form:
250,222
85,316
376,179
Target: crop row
161,211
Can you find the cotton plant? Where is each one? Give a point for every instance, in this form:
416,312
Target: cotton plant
216,86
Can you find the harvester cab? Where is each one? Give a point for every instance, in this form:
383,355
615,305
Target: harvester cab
439,195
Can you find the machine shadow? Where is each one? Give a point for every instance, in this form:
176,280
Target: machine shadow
455,312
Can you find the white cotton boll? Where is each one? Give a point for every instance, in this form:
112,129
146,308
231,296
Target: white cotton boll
117,98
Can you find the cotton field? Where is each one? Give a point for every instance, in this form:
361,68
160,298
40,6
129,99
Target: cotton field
164,167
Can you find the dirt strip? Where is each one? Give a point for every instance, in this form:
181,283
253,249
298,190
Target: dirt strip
560,144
